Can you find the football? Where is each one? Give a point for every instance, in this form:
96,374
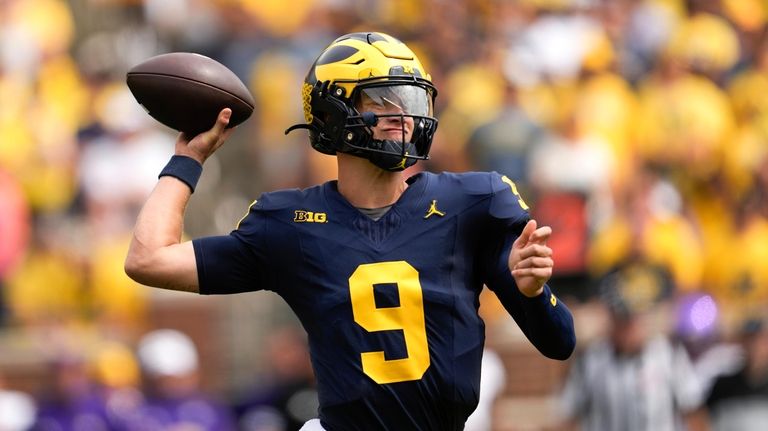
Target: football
186,91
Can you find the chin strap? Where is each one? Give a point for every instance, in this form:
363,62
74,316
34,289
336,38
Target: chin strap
389,161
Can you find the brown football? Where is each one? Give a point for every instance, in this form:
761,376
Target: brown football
186,91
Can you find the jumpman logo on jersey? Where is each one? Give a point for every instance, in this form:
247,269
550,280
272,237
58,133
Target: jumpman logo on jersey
433,210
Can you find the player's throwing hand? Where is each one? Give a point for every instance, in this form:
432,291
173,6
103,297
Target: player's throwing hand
531,260
201,147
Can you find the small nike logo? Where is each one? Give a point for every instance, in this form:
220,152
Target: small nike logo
433,210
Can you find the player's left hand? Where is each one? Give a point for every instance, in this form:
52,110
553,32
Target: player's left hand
530,260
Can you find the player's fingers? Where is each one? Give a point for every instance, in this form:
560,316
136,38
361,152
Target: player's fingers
535,262
539,273
541,235
525,235
218,134
222,121
535,250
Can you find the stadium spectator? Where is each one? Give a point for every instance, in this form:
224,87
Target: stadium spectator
17,409
71,400
174,398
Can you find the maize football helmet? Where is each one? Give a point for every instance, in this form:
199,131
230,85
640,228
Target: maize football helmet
359,80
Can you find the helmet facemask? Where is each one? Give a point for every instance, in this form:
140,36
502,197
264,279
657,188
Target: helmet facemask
392,124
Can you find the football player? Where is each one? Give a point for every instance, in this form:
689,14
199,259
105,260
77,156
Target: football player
384,272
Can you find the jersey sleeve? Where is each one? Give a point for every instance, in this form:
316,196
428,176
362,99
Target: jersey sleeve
236,262
545,320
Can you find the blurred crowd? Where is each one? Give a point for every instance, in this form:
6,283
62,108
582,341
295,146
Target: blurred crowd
637,129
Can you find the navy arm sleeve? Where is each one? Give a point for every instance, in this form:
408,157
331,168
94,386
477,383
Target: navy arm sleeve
545,320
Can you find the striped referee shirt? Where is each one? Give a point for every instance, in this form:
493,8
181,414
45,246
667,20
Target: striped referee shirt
645,392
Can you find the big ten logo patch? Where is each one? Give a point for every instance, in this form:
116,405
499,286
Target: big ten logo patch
302,216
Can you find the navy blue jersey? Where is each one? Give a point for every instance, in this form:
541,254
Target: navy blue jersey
390,306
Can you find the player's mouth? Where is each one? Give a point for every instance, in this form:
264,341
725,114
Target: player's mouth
395,133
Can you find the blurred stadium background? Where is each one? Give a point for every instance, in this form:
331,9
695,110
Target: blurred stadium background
638,129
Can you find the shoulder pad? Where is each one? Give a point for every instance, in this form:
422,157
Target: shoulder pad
288,198
506,202
276,201
472,183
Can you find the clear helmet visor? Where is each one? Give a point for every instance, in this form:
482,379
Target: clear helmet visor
395,124
409,100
